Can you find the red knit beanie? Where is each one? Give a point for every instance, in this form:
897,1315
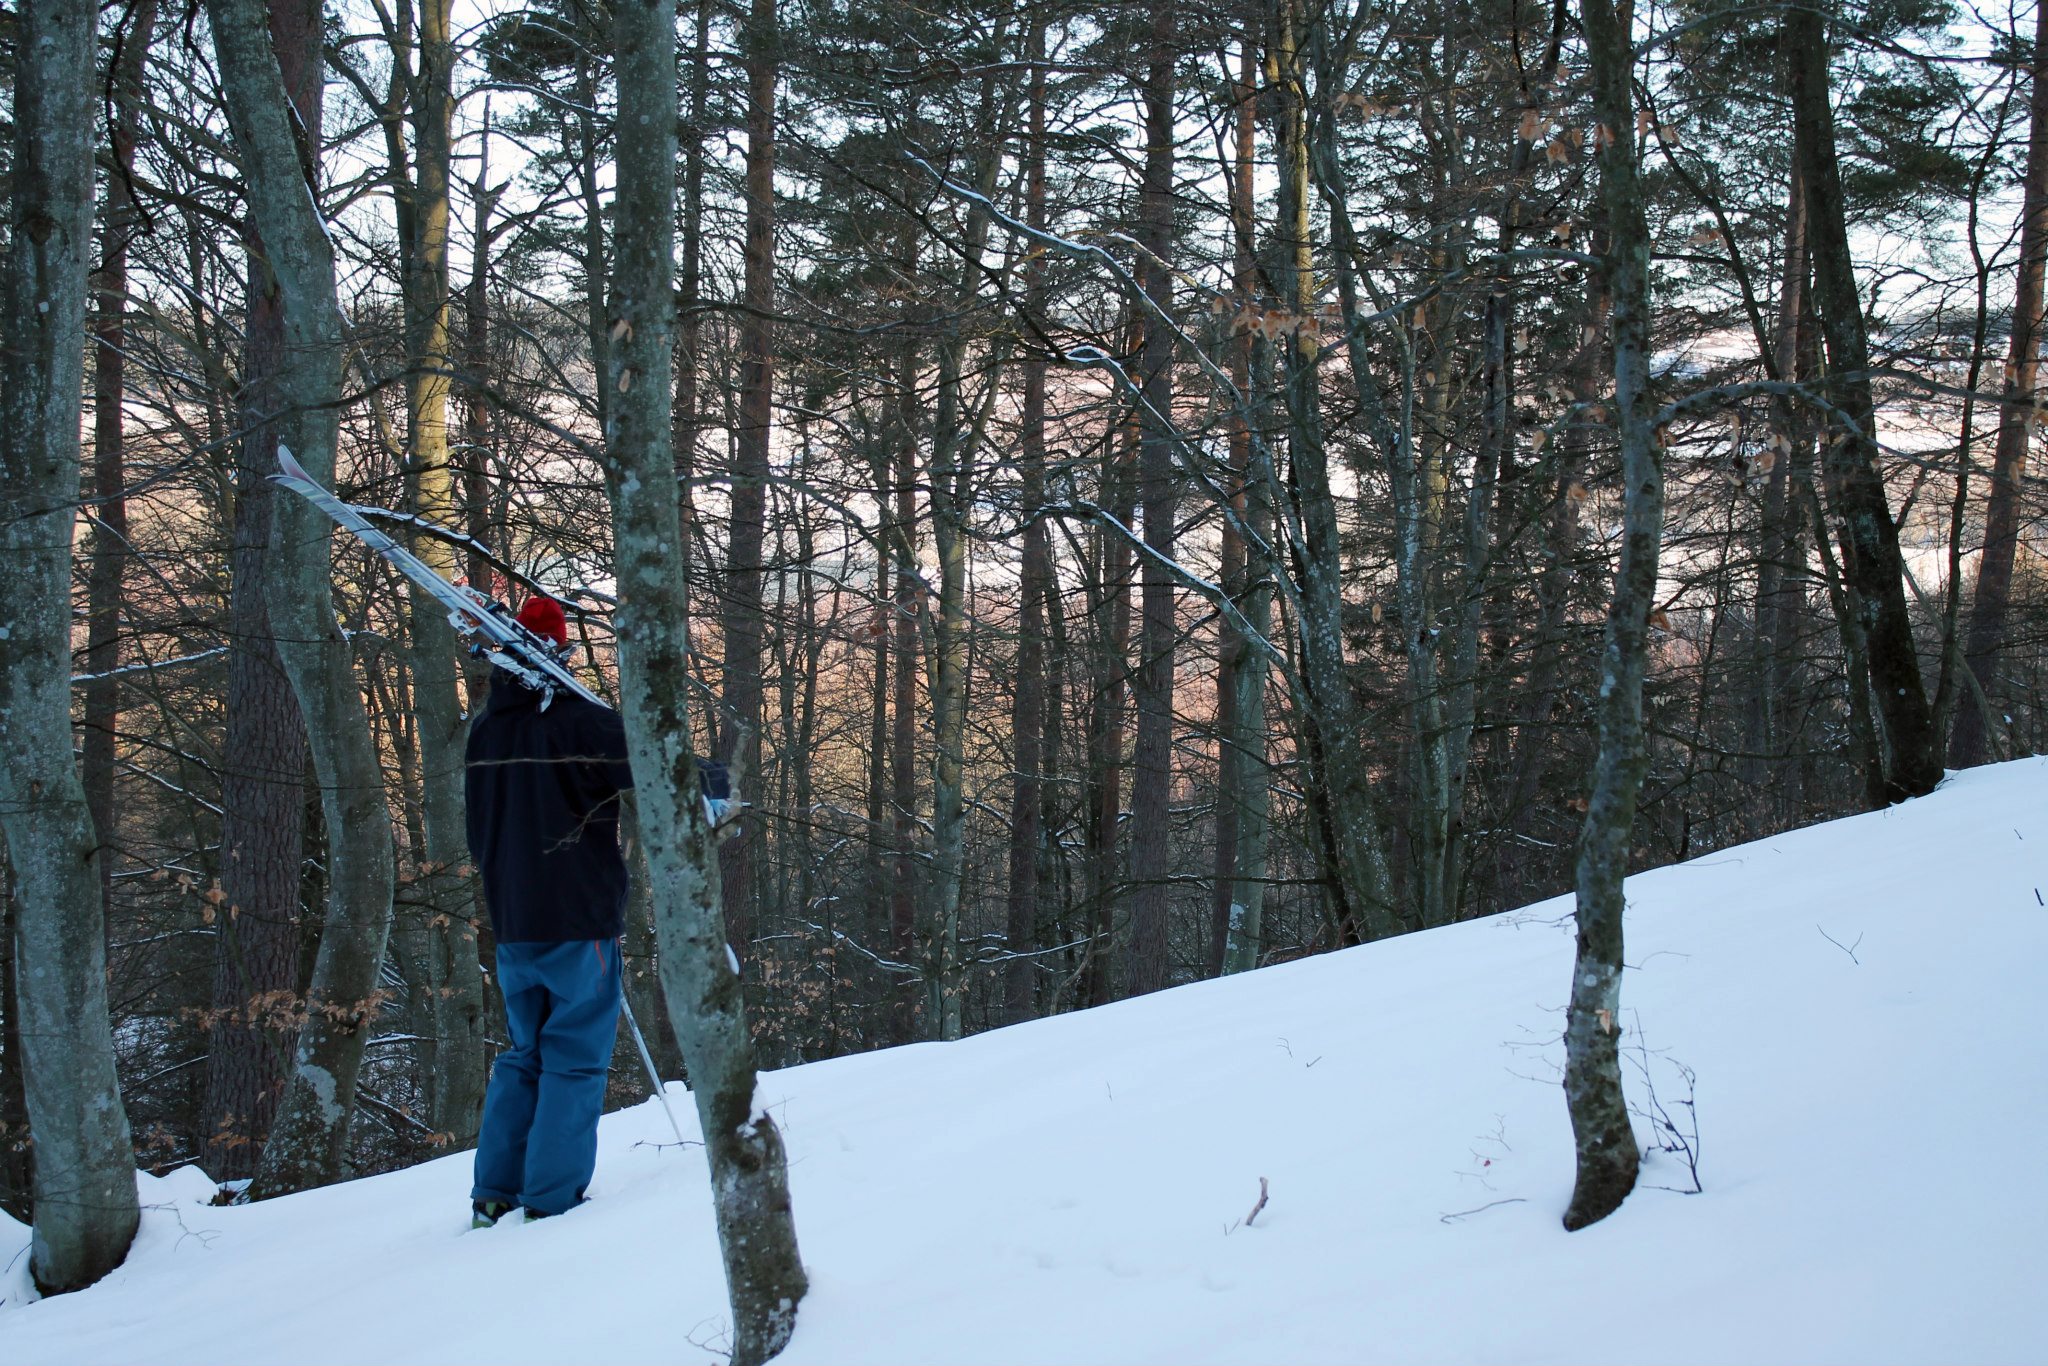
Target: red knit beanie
543,617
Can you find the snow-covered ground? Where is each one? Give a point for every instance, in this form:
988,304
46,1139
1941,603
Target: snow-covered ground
1074,1190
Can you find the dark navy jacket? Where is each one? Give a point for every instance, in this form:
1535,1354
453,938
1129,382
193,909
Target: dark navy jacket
543,790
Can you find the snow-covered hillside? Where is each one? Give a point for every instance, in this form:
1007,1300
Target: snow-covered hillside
1869,1111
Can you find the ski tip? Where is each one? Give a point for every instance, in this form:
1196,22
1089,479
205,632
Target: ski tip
288,466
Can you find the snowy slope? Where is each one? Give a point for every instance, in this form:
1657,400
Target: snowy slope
1067,1191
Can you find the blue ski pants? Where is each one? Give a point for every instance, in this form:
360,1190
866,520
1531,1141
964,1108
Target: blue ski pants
538,1145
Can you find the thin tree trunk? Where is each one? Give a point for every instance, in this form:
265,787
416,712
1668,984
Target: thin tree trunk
476,365
956,445
455,976
1349,847
1152,681
1871,563
1243,796
17,1153
1606,1146
1781,574
953,460
1991,605
743,626
1495,464
307,1143
687,420
109,448
85,1203
765,1279
1034,582
909,601
1104,788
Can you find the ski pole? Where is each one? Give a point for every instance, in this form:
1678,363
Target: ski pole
647,1058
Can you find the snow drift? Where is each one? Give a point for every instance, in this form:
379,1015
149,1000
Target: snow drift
1859,1003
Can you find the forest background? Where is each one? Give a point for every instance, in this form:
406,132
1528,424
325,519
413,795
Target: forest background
1151,481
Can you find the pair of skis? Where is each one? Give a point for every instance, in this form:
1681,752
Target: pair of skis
491,630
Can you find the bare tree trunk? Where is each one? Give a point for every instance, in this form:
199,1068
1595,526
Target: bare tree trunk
1243,791
956,445
687,419
1495,464
1781,573
1871,563
256,944
1606,1146
1104,785
642,954
880,828
1971,742
953,460
256,958
454,975
307,1142
1349,847
476,365
1027,713
1152,681
743,626
765,1278
109,512
909,601
85,1203
17,1154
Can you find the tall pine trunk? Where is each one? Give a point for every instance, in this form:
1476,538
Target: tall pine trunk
1152,681
750,1187
743,626
1034,582
909,601
1851,468
307,1142
256,954
85,1204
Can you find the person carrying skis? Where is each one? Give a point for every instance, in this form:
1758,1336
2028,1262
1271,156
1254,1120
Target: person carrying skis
543,779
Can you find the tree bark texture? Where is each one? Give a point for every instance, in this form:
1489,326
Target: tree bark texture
279,164
256,1006
1243,789
1851,467
1104,787
1034,582
1152,681
742,623
908,603
1606,1147
17,1163
454,968
85,1202
764,1274
1991,604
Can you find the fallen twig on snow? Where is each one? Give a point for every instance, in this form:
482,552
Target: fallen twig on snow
1261,1205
